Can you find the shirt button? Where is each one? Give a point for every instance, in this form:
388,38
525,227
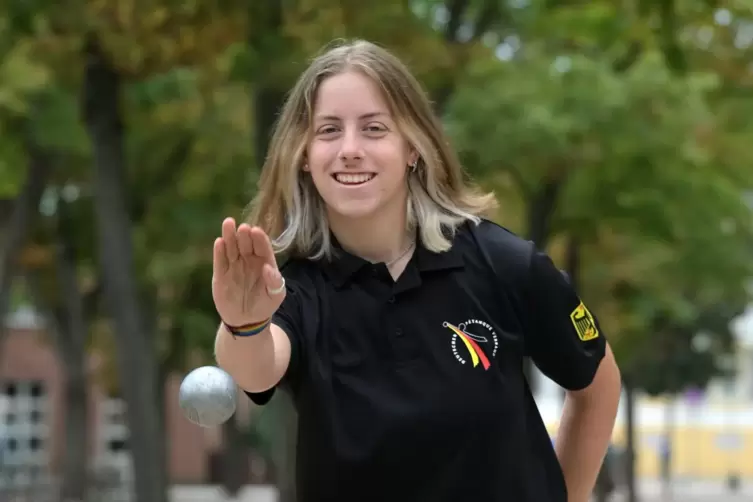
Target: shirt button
392,299
399,332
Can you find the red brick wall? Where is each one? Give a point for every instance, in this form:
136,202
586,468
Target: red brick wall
27,355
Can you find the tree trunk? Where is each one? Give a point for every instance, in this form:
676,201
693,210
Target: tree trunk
630,454
667,448
137,362
267,103
540,211
603,486
286,460
488,14
268,99
235,458
572,261
75,460
605,479
25,209
67,324
572,272
72,347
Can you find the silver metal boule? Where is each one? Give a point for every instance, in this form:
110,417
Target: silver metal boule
208,396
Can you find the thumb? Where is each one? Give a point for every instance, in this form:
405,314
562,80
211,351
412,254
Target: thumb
273,280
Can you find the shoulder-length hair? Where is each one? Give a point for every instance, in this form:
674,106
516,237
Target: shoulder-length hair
287,205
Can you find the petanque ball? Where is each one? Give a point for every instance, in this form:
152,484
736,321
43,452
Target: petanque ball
207,396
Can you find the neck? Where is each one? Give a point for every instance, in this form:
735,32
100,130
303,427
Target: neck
374,238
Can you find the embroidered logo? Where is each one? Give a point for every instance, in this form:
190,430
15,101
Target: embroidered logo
584,323
473,334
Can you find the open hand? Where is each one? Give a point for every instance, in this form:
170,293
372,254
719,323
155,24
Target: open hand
247,286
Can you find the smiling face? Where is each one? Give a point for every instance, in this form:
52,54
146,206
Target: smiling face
336,122
357,158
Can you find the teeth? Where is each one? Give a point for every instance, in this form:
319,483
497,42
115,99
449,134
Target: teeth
353,179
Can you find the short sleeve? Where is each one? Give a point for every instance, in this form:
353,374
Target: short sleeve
563,337
289,318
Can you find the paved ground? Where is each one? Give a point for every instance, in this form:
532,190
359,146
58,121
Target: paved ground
693,491
683,491
649,491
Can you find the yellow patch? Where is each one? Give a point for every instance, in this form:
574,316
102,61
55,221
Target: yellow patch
584,323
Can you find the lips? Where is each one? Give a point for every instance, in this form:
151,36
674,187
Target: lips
353,179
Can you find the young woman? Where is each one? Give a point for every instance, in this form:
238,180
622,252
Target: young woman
401,318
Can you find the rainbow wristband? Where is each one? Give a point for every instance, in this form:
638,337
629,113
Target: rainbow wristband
248,329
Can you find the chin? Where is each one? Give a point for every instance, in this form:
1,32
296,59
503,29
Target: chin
363,204
355,209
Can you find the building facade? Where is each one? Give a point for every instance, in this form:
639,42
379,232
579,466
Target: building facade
711,433
32,411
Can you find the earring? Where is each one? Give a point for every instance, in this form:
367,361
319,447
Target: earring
414,166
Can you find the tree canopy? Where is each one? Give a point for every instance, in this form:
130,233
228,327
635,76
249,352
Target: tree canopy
620,126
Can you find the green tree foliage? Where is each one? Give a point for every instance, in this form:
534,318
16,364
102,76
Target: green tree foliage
622,126
632,153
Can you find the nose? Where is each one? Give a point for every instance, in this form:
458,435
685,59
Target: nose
351,148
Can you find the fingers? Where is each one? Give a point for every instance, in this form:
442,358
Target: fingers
245,240
230,240
219,261
263,247
273,281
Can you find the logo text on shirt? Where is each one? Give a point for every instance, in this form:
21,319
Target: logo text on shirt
478,338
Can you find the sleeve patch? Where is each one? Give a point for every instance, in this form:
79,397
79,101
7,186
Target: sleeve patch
584,323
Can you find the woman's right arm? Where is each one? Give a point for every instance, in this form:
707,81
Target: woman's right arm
247,288
256,363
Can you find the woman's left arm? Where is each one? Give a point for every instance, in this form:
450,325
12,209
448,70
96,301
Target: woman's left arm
585,429
566,343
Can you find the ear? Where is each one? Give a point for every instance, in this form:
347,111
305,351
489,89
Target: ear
413,156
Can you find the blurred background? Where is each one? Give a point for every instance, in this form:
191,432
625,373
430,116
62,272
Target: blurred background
617,135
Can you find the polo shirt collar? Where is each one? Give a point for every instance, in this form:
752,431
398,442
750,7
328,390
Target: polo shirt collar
343,266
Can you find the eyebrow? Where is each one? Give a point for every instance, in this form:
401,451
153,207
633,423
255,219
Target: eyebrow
370,115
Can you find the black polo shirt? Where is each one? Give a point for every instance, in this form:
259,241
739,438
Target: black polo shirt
413,390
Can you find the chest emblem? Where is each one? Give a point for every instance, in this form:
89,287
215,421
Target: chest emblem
479,339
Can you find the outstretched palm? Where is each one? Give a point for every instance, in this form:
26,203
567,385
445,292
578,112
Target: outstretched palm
245,275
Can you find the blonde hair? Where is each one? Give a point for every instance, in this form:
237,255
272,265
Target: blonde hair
287,205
